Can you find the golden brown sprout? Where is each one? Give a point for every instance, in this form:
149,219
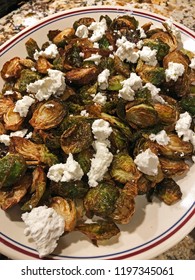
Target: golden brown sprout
48,115
98,231
12,119
167,114
82,76
11,69
67,209
42,65
12,197
26,62
172,167
60,38
5,104
166,38
176,148
124,22
2,129
33,153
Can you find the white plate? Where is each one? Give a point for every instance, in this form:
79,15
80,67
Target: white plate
154,227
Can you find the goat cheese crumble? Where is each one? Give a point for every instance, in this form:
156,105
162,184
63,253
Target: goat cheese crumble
54,84
134,82
147,162
126,50
103,79
174,71
161,137
22,106
50,52
148,56
44,226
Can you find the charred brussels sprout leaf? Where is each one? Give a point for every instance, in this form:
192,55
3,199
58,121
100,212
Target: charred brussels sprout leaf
76,138
12,168
124,22
168,191
84,159
31,47
98,231
39,185
101,199
188,104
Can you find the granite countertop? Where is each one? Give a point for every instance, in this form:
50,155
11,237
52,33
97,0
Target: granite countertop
29,12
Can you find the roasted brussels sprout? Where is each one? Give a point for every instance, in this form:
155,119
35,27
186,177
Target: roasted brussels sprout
12,168
11,69
81,76
38,188
172,167
98,231
31,47
156,44
27,76
12,197
67,209
76,138
101,199
125,21
12,120
141,116
33,153
123,168
72,189
48,115
168,191
188,104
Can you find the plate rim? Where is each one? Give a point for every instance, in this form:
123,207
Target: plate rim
103,8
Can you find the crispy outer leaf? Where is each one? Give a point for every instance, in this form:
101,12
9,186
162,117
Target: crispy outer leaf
100,230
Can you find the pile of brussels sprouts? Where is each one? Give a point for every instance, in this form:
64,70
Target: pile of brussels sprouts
60,128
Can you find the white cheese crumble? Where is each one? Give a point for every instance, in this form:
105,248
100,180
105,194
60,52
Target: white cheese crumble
148,56
50,52
65,172
147,162
192,63
154,93
126,50
142,32
96,58
183,130
174,71
103,157
100,98
82,31
49,105
101,129
103,79
99,29
84,113
130,85
5,139
22,106
45,227
99,163
8,92
161,137
54,84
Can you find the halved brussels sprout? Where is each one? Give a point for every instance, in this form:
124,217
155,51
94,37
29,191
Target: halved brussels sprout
12,197
67,209
118,140
150,74
99,230
33,153
176,148
76,138
172,167
156,44
5,104
61,38
81,76
11,69
48,115
144,185
141,115
114,82
101,199
12,120
87,21
72,189
124,21
167,114
42,65
84,159
188,104
31,47
12,168
168,191
38,186
122,67
166,38
123,168
124,209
